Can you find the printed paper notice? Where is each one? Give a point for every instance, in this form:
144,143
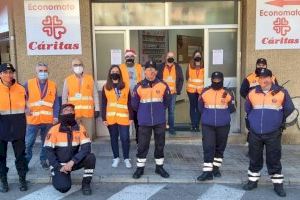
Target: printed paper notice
116,56
218,57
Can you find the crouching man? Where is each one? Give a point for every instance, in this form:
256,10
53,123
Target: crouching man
68,148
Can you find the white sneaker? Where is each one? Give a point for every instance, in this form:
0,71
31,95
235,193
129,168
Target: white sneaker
115,163
127,163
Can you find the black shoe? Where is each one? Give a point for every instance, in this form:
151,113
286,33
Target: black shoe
86,186
44,164
23,184
278,188
216,172
4,185
161,171
250,185
205,176
138,173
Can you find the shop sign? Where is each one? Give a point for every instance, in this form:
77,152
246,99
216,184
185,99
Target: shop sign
53,27
277,24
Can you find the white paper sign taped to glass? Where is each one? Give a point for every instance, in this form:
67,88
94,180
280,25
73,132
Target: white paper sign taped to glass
52,27
277,24
116,56
217,57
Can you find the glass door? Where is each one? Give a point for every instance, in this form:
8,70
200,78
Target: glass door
222,54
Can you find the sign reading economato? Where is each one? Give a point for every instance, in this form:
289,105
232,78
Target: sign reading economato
52,27
277,24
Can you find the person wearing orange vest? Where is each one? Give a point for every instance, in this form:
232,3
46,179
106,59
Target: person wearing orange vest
117,113
12,125
68,149
171,73
43,109
194,87
132,73
80,89
150,99
267,107
216,103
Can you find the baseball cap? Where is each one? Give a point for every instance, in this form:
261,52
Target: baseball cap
261,61
265,73
149,64
7,66
217,75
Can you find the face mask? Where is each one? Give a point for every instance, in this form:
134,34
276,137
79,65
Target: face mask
78,69
197,59
217,86
43,75
170,60
129,61
257,70
115,76
68,119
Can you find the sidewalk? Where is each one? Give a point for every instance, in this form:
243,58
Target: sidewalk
183,160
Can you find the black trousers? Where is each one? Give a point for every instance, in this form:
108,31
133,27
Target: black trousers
62,182
272,142
145,133
214,141
136,126
19,151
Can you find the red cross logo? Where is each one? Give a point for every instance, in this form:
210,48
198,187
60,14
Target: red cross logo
281,26
53,26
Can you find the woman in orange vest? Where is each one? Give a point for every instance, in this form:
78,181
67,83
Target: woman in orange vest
117,113
194,87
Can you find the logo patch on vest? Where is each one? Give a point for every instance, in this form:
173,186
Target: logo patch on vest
157,91
274,100
223,101
48,136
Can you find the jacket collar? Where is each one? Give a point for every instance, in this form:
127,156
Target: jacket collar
66,129
146,83
258,88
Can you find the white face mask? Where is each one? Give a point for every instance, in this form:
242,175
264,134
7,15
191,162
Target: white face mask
78,69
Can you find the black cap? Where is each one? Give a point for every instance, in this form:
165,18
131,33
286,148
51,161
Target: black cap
217,75
149,64
7,66
261,61
264,72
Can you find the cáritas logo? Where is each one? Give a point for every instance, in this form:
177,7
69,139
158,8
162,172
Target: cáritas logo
53,27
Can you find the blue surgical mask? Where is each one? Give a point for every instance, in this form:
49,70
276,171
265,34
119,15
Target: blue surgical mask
43,75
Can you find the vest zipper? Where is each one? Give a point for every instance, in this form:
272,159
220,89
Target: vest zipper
216,109
262,114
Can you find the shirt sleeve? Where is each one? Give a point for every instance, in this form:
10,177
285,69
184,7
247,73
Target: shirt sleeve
56,106
135,101
244,90
288,105
49,145
65,92
85,146
103,105
130,107
96,97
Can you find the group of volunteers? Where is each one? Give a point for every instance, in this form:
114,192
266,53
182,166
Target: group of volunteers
143,96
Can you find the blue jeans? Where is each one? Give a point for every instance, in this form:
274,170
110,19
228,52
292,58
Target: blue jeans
31,134
115,130
171,113
195,114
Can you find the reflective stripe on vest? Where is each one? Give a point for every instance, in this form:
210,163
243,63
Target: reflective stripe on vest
81,94
195,83
215,99
170,78
117,109
41,105
152,95
12,99
266,101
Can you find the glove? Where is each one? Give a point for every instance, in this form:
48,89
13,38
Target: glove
96,114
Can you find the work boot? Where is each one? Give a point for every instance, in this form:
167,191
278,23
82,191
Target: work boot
205,176
278,188
250,185
23,184
4,184
161,171
216,172
86,186
138,173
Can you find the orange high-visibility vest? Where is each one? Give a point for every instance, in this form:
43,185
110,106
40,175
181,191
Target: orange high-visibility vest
57,139
216,99
117,109
170,78
152,94
266,101
195,83
81,95
253,79
12,100
41,108
125,74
